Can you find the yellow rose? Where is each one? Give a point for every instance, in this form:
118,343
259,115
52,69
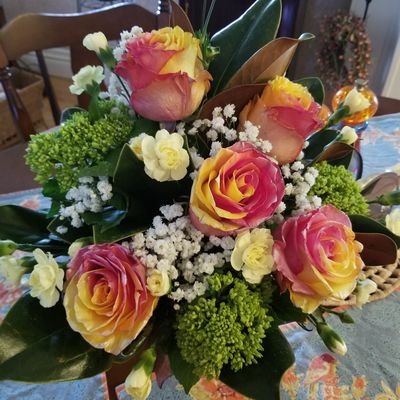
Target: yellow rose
158,283
165,72
253,254
45,279
164,157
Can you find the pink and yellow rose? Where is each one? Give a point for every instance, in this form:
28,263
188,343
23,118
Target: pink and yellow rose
237,189
317,257
165,73
106,299
286,114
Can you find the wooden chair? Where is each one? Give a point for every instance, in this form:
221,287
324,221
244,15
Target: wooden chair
36,32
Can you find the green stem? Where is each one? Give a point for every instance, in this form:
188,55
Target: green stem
210,10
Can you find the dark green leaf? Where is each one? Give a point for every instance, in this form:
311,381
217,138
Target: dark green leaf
143,125
72,234
242,38
261,381
362,224
284,310
28,229
181,369
22,225
52,189
315,87
125,229
103,168
37,345
318,141
69,112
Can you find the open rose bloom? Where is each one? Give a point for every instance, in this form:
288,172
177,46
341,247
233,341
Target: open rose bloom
165,73
286,114
317,257
106,299
237,189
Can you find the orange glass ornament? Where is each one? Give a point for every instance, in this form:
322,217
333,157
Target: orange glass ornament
364,115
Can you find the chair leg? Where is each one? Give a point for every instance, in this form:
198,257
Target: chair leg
55,109
19,113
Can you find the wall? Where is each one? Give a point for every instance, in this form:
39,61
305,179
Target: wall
383,26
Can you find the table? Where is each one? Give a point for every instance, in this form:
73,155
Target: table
370,370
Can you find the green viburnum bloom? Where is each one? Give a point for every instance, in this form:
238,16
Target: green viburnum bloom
227,327
78,143
337,186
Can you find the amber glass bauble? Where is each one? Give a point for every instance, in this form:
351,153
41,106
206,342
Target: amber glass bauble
364,115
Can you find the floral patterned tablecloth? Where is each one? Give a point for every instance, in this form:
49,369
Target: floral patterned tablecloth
369,371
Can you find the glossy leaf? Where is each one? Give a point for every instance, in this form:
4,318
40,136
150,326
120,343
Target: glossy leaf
284,310
271,60
315,87
181,369
362,224
242,38
238,95
381,184
72,234
261,381
125,229
338,153
37,345
379,249
318,141
143,125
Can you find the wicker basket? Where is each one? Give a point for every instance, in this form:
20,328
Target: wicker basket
30,89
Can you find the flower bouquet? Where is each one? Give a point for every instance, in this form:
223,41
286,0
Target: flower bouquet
198,204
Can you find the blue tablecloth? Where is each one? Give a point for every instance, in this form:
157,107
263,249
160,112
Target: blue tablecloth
370,369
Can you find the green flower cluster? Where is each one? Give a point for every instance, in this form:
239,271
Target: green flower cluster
337,186
226,328
78,143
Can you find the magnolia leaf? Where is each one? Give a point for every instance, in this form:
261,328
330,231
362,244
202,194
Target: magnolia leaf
262,380
37,345
180,18
242,38
318,141
270,61
362,224
127,228
379,249
238,95
143,125
72,233
381,184
315,87
338,153
182,370
28,229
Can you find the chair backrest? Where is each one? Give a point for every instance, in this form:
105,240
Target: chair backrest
37,32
